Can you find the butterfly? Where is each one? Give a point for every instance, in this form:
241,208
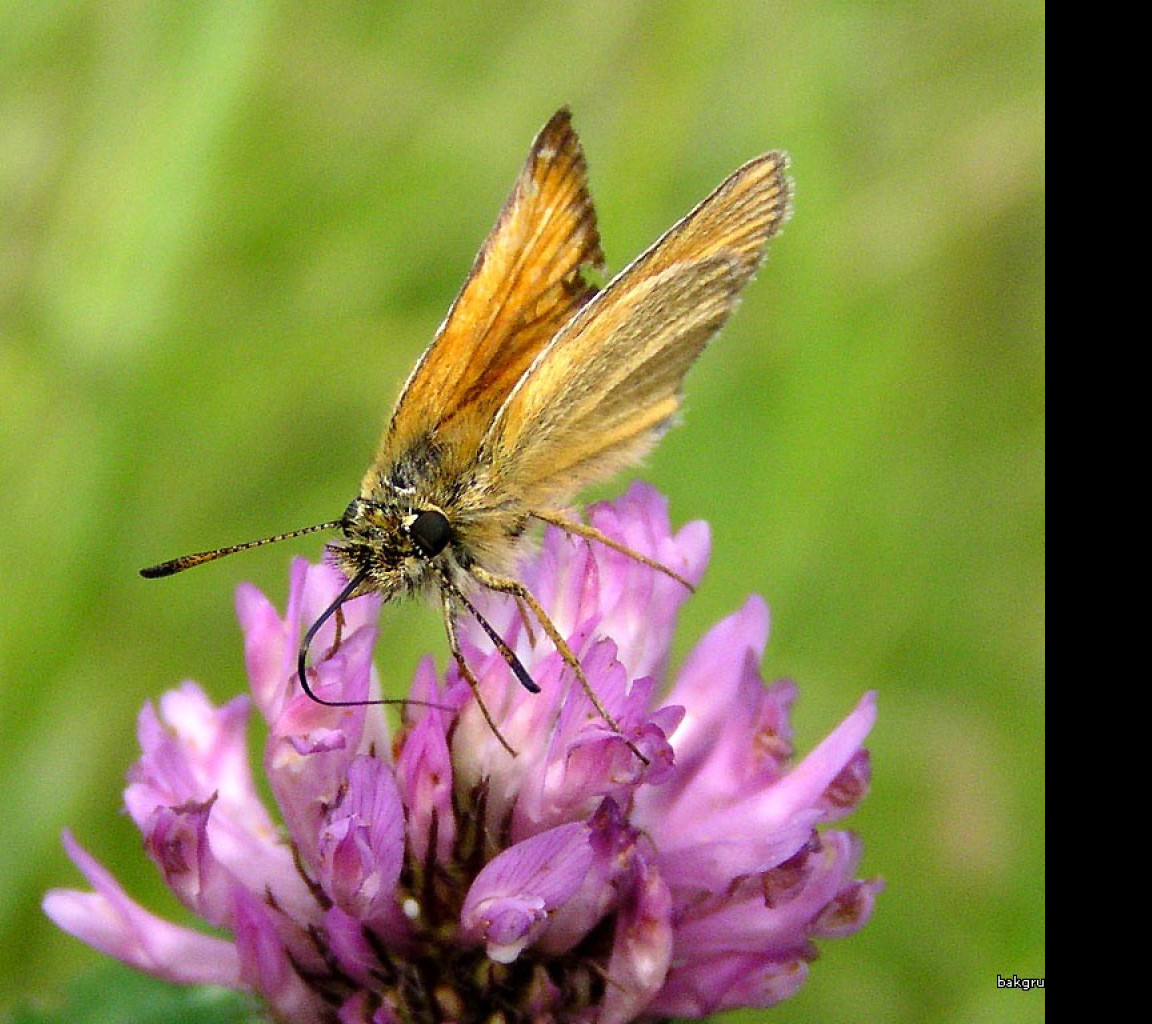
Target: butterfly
536,385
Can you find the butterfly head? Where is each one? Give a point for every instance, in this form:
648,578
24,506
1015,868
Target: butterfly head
392,542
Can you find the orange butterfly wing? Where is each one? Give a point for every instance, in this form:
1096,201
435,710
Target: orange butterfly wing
602,392
526,283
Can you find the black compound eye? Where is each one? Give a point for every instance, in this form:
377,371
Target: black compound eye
430,532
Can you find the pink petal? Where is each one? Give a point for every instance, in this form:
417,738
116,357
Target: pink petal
700,987
195,754
509,901
266,966
424,773
362,842
761,828
641,950
109,920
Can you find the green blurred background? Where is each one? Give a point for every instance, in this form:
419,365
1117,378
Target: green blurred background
228,229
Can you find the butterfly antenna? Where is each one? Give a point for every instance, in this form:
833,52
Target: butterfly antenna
175,565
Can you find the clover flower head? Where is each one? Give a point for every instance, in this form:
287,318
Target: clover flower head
432,876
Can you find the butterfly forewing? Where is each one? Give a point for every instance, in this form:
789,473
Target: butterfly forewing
526,283
598,396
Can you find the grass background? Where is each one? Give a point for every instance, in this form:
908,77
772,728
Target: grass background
228,229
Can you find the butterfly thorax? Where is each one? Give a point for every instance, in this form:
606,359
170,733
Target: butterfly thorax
422,516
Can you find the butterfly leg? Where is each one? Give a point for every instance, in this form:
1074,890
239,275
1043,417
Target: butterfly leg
580,529
466,672
336,640
507,585
522,608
